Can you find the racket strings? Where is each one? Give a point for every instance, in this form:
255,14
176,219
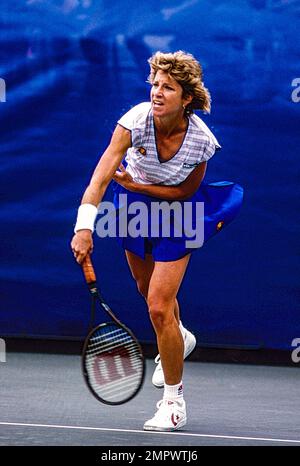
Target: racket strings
113,363
116,338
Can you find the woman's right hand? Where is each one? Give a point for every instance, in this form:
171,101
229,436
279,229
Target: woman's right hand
82,244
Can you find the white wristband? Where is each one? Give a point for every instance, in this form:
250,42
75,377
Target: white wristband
86,217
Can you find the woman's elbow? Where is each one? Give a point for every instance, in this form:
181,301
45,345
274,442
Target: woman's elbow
183,196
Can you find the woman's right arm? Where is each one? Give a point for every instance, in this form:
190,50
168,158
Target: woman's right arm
82,242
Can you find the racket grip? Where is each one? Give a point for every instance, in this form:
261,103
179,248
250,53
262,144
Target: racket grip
88,270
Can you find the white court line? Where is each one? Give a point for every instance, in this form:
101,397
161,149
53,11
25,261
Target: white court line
183,434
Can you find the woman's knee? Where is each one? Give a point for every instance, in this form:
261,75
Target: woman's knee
161,311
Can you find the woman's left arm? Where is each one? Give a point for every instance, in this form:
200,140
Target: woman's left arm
179,192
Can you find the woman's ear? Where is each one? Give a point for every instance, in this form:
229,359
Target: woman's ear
187,100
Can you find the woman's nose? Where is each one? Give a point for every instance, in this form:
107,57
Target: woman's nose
158,91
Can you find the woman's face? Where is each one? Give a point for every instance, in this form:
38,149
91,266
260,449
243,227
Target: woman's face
166,96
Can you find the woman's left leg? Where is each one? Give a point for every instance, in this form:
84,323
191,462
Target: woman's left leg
163,288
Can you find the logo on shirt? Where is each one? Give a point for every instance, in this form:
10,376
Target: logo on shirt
190,165
142,150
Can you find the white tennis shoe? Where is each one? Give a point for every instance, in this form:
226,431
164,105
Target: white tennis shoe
189,341
170,415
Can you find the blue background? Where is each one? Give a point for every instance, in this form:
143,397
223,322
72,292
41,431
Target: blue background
72,68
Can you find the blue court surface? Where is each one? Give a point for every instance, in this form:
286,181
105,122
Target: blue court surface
44,402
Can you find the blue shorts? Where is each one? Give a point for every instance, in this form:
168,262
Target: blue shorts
221,200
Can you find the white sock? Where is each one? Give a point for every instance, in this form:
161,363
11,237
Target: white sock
173,392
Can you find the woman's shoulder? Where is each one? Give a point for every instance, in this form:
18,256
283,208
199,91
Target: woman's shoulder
142,107
136,115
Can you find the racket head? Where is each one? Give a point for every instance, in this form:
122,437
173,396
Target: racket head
113,364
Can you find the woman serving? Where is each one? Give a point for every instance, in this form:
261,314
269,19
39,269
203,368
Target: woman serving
167,148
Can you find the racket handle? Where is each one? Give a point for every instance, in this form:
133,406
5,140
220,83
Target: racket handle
88,270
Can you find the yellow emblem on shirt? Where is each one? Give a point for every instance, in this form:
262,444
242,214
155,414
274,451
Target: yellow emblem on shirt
142,150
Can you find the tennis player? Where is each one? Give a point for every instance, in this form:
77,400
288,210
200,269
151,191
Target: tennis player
167,148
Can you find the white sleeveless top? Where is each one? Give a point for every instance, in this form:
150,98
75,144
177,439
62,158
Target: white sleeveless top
143,164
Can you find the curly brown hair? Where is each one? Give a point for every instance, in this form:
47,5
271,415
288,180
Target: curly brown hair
187,71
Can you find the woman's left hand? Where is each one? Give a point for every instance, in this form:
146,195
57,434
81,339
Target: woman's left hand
124,179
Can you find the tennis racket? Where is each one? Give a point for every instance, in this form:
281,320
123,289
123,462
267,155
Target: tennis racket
112,359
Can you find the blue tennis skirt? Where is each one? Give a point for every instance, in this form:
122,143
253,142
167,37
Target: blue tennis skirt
168,230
